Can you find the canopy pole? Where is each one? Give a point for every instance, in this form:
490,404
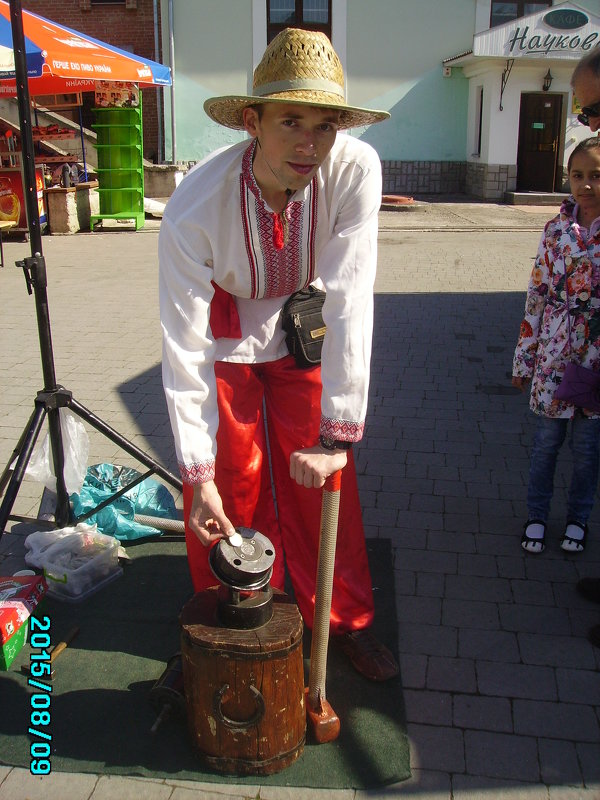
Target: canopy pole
28,152
159,95
172,62
85,174
36,269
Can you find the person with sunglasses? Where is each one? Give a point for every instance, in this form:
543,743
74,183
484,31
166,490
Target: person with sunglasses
586,88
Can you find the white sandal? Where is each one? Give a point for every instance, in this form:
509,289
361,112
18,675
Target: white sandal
574,544
533,544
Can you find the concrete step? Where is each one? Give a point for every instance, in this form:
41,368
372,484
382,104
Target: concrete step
534,198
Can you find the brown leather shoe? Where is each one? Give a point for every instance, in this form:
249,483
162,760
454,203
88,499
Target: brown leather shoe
368,656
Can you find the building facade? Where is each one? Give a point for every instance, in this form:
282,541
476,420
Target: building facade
465,81
478,90
522,115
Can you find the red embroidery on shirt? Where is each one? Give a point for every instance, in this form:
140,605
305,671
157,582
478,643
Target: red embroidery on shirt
342,430
197,473
280,247
312,231
248,238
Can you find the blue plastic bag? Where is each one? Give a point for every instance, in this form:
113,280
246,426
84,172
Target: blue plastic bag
149,497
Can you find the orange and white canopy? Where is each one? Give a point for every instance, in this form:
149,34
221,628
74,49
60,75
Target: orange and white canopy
61,60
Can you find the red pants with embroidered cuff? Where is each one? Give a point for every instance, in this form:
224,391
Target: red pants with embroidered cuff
292,401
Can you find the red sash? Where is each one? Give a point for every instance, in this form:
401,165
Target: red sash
224,317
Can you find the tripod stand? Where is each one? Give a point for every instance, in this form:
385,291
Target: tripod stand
52,397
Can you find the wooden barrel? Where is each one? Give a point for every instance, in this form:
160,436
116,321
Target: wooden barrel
244,688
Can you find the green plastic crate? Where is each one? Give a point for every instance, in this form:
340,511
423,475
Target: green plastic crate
118,179
120,164
119,157
119,201
117,134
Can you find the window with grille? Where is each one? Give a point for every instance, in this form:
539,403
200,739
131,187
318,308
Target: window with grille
313,15
502,12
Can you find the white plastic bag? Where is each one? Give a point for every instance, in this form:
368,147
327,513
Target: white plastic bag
76,447
76,561
38,542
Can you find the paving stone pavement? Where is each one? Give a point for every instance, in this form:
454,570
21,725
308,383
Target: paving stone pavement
501,685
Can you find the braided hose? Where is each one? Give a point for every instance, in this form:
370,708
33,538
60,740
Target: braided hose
161,523
324,589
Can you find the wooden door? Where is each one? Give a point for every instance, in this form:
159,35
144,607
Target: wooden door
539,138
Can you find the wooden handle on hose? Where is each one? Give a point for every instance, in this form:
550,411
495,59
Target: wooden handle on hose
325,723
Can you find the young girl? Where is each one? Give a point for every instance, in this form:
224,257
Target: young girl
569,251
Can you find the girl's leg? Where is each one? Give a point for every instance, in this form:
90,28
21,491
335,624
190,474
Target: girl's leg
584,442
548,438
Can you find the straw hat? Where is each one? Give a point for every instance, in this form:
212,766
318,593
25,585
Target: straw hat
298,66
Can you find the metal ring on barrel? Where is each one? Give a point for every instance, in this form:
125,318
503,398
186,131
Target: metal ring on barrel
242,724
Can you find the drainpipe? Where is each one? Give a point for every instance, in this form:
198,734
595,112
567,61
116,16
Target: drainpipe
172,63
159,91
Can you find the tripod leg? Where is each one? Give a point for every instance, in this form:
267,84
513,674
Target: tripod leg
25,447
8,471
62,514
125,444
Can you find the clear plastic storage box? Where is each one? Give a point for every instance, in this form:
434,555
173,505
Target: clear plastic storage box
76,561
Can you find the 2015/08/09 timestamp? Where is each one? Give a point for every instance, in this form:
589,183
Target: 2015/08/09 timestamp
40,716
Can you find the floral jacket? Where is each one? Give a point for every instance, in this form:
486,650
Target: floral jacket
565,254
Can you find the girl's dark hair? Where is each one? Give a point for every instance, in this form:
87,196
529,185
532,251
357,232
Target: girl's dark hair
587,144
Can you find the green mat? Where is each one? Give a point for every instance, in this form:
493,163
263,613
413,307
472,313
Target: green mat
100,710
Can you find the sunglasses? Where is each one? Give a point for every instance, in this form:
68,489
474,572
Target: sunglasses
587,112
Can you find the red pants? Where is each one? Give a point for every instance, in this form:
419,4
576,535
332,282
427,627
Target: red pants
291,519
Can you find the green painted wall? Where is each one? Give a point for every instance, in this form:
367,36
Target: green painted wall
394,58
213,51
395,53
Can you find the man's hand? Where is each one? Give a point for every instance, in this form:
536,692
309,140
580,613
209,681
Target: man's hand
311,467
207,518
519,382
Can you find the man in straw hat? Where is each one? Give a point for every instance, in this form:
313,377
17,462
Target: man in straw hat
246,228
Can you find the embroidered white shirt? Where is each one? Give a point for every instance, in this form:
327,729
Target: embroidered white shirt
216,227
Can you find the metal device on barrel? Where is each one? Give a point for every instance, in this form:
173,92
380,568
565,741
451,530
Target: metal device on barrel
244,571
243,672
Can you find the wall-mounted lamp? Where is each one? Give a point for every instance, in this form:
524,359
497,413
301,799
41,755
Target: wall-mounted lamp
547,81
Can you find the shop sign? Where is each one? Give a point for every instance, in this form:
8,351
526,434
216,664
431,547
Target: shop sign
522,43
565,19
563,32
